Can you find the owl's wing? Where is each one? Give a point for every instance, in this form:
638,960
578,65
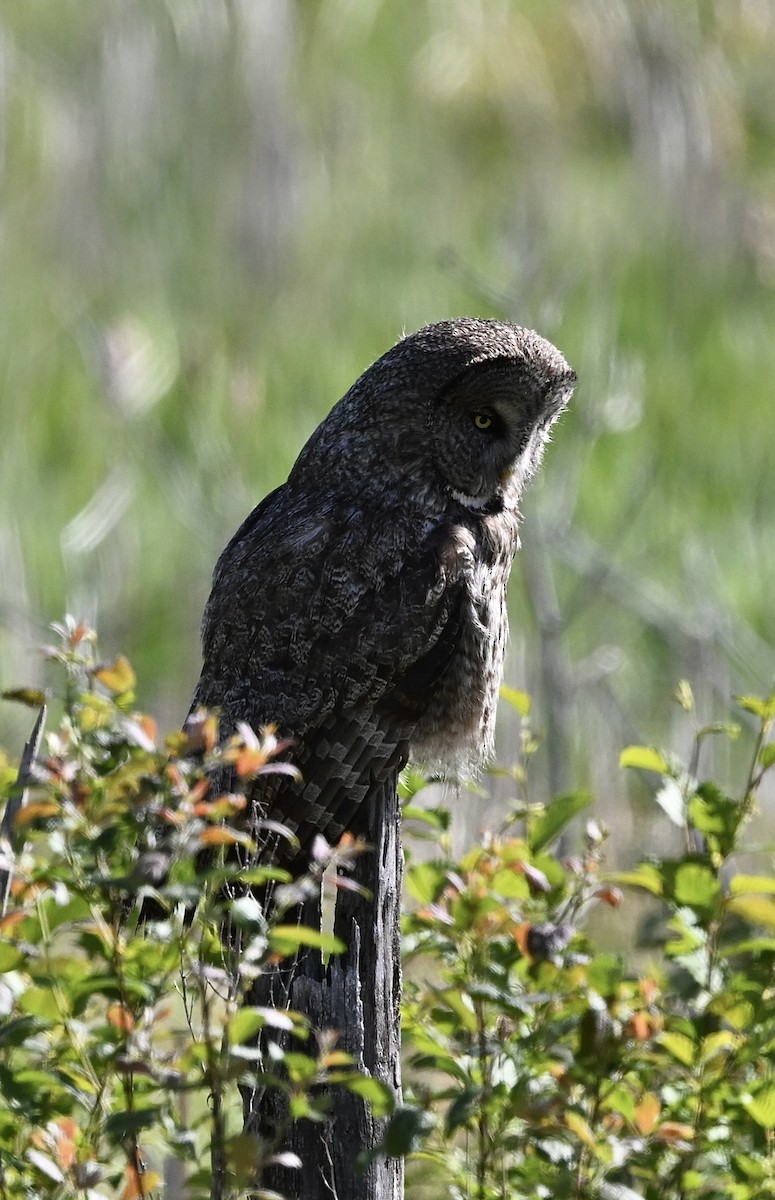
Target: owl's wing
335,625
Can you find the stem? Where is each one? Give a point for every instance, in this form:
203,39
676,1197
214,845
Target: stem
586,1153
754,776
214,1079
62,1008
133,1152
693,842
483,1124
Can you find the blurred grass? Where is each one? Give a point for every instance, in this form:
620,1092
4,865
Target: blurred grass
216,214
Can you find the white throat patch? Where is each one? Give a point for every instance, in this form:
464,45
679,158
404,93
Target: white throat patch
474,503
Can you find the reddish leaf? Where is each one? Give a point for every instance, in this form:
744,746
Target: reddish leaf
249,762
118,677
640,1026
520,934
223,836
647,1113
199,790
675,1131
35,812
171,816
121,1018
138,1186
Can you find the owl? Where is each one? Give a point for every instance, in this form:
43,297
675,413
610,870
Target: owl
361,607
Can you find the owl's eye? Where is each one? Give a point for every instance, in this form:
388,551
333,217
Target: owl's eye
482,420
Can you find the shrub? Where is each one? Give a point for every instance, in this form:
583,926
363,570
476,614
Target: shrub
540,1064
553,1068
126,959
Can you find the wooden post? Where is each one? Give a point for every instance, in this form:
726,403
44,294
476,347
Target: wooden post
8,834
358,995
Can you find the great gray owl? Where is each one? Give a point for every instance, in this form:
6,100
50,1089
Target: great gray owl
361,607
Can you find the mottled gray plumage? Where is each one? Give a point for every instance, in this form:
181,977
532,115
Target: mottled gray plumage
361,607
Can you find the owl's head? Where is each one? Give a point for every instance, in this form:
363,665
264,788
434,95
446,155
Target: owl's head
464,406
491,392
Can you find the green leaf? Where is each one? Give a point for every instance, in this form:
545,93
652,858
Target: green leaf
510,885
461,1006
16,1031
380,1099
680,1046
549,866
108,985
743,885
646,876
730,729
426,881
605,974
463,1109
716,816
77,1082
620,1099
435,818
555,817
124,1124
40,1002
689,936
750,1167
286,939
692,882
265,874
767,755
764,709
410,782
724,1041
404,1131
756,945
440,1062
32,1089
695,884
76,909
243,1157
246,1023
644,758
759,910
761,1106
11,957
31,697
301,1068
519,700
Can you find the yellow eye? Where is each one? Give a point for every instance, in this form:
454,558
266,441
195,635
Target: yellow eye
482,420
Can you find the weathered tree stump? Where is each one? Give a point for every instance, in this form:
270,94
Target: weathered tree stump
357,995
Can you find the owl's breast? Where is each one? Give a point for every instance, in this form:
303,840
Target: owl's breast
457,730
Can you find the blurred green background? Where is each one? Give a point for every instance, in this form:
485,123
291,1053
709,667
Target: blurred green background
216,213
